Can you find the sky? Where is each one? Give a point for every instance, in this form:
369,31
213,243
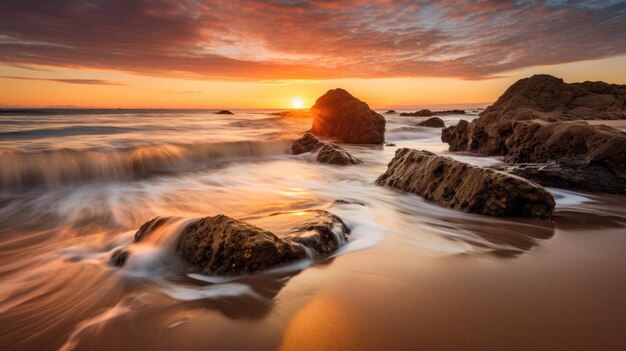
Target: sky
276,53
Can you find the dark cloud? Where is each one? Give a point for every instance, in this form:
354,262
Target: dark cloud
68,81
284,39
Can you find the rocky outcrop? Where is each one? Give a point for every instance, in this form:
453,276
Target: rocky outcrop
328,153
225,246
390,112
428,113
465,187
433,122
340,115
306,143
534,122
224,112
334,154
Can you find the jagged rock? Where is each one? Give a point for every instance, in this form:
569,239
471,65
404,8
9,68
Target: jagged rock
434,122
306,143
391,112
532,122
569,175
224,112
465,187
339,114
334,154
420,113
225,246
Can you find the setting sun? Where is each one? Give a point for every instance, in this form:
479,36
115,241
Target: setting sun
297,102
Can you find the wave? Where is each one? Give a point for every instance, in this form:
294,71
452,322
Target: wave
66,166
60,132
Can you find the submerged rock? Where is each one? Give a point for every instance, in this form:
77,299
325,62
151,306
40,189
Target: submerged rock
465,187
534,122
339,114
335,154
306,143
434,122
224,112
226,246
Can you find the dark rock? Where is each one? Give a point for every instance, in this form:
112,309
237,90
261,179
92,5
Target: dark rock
224,112
348,202
450,112
434,122
306,143
293,114
226,246
568,175
465,187
420,113
339,114
391,112
334,154
118,258
390,144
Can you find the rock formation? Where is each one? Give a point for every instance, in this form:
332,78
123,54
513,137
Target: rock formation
428,113
340,115
465,187
334,154
434,122
328,153
391,112
225,246
223,112
533,122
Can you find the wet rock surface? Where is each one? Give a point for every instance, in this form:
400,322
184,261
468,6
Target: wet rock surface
433,122
340,115
465,187
335,154
222,245
306,143
536,121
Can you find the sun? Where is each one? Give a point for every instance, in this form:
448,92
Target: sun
297,103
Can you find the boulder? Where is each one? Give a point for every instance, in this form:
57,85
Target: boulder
306,143
537,120
465,187
221,245
391,112
335,154
340,115
433,122
420,113
224,112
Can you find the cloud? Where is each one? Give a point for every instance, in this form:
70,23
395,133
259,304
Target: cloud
68,81
292,39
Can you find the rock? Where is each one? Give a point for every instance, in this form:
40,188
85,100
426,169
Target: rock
534,121
450,112
225,246
334,154
293,114
390,144
465,187
224,112
118,258
340,115
434,122
420,113
391,112
568,175
306,143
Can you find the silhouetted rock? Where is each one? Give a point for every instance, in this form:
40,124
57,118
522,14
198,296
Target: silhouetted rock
339,114
532,123
390,144
420,113
225,246
391,112
118,258
450,112
334,154
306,143
465,187
434,122
223,112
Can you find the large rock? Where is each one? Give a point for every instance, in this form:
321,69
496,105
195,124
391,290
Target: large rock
433,122
335,154
532,122
340,115
465,187
225,246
